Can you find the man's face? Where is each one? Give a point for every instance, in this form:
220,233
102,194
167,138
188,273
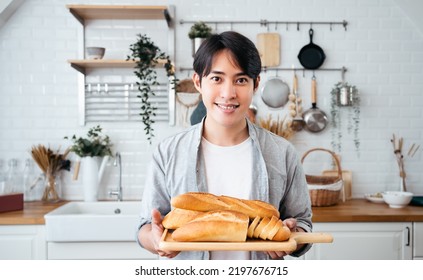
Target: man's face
227,92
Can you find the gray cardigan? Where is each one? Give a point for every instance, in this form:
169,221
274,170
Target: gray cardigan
278,178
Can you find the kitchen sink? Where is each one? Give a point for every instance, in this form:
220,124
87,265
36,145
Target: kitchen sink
93,221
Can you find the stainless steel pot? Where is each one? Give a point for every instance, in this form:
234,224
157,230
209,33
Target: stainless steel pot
315,120
275,92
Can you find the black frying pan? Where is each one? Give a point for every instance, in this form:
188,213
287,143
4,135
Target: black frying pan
311,56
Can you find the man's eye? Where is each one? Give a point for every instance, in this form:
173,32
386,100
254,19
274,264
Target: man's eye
215,79
242,80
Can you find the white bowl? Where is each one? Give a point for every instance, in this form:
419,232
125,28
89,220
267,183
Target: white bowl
397,199
95,52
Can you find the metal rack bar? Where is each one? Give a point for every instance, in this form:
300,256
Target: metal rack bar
264,69
264,22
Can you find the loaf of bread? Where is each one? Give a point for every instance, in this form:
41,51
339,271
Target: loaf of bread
179,217
220,226
201,216
200,201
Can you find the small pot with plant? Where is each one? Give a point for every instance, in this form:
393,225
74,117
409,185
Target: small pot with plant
198,33
146,56
94,152
345,99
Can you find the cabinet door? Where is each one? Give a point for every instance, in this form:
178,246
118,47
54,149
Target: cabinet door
364,241
418,241
97,251
24,242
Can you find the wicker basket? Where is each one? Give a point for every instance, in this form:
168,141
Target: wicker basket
324,190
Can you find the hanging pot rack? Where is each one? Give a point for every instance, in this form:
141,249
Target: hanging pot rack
267,23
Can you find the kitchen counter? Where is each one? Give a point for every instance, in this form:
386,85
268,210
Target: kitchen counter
361,210
356,210
32,214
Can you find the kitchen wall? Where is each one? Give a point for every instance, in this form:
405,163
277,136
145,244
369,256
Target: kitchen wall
382,50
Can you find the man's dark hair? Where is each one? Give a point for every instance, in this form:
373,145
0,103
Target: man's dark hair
242,49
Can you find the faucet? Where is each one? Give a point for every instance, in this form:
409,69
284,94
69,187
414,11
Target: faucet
118,191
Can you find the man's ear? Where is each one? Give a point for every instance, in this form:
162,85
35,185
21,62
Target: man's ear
257,83
197,82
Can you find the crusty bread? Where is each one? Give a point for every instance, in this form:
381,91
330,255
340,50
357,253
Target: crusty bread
260,226
274,230
201,201
263,209
253,226
179,217
283,234
221,226
266,229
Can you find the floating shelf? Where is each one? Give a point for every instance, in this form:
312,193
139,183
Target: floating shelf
82,12
82,64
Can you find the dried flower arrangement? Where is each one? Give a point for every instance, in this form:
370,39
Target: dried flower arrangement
279,127
50,163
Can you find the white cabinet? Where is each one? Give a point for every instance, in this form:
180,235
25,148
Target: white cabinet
418,241
98,251
364,241
22,242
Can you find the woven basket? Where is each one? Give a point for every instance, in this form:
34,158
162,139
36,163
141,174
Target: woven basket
324,190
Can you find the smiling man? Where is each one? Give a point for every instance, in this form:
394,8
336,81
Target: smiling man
225,154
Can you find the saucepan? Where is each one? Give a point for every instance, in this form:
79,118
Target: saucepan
315,120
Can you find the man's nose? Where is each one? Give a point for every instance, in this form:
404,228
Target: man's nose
228,91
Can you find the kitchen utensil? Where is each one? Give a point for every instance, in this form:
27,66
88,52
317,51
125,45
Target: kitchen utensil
311,56
268,45
397,199
315,119
275,92
95,52
167,243
297,121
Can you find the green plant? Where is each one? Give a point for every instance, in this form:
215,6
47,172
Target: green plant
146,55
200,30
96,144
353,117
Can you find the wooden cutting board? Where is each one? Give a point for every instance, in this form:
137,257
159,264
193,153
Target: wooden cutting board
268,45
167,243
347,177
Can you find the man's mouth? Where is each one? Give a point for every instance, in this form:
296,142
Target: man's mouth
227,106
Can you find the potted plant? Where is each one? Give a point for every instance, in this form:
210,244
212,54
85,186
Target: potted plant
146,55
94,151
198,33
345,99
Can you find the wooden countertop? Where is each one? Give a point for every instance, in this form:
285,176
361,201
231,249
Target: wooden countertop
32,214
361,210
356,210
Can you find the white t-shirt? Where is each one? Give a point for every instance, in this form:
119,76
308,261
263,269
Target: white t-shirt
228,172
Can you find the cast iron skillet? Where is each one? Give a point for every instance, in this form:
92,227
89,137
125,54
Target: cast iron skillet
311,56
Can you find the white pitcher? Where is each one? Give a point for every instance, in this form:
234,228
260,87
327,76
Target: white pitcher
92,172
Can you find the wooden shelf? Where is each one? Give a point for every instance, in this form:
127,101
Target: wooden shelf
82,64
83,12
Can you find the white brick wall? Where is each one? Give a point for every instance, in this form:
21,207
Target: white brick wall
381,48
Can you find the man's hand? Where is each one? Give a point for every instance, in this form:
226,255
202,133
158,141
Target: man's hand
291,223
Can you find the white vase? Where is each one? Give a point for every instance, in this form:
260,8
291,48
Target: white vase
90,167
196,44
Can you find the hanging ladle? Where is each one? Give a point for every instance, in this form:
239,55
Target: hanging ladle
297,122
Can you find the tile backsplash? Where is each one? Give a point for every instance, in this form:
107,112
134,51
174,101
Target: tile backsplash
381,49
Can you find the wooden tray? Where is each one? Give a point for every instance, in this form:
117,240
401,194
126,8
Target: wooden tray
167,243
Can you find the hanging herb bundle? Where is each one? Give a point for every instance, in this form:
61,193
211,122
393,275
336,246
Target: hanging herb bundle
353,117
147,55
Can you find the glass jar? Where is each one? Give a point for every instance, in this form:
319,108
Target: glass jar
13,178
33,184
52,188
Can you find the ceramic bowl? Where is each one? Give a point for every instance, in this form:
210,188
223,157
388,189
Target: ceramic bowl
397,199
95,52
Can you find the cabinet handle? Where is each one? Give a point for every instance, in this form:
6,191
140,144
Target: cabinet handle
408,236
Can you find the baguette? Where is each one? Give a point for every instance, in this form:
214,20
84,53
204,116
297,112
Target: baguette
179,217
201,201
220,226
